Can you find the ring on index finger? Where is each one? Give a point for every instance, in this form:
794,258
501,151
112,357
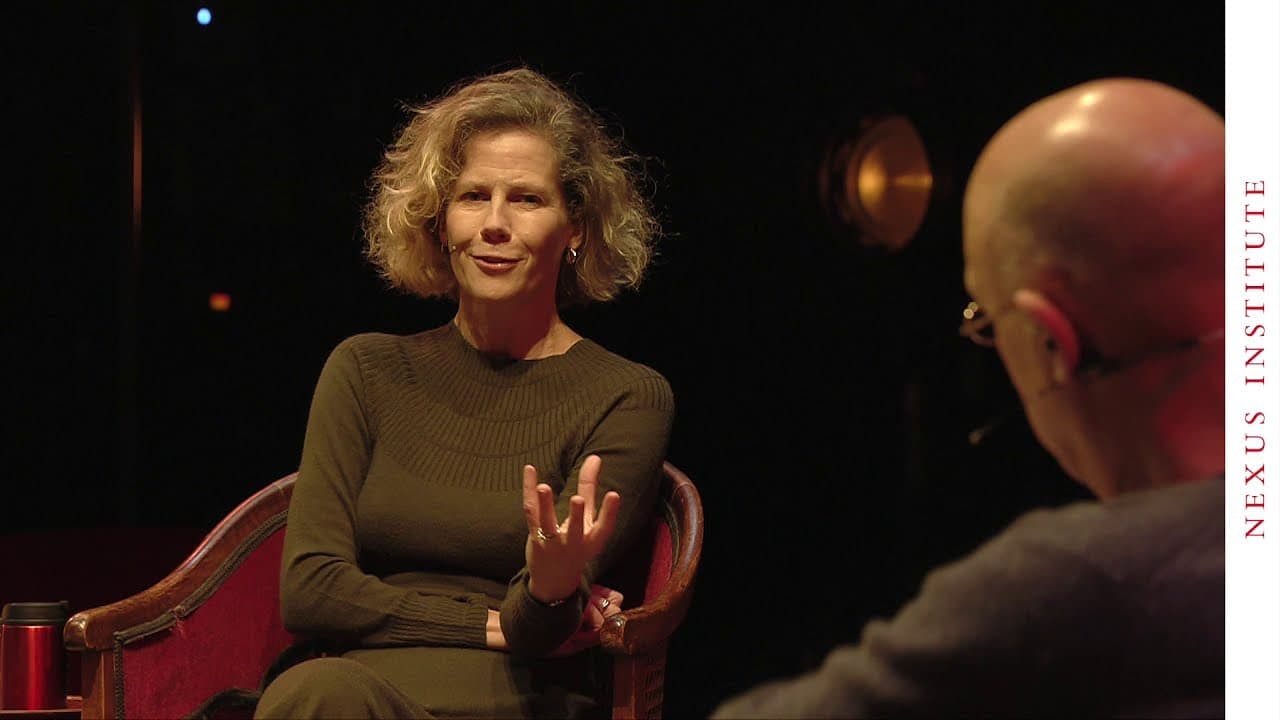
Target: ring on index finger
542,536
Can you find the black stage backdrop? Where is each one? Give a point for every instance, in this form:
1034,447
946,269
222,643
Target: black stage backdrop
823,396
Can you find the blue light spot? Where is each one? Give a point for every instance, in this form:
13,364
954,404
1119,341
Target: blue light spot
203,16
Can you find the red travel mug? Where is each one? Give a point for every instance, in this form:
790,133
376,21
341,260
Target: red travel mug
33,671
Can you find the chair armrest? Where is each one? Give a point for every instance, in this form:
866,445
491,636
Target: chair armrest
157,607
211,624
645,628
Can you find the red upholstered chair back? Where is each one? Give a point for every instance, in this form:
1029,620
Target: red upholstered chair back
661,558
211,624
641,575
245,605
214,622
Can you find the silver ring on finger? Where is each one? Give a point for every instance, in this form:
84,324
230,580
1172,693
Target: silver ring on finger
543,536
604,603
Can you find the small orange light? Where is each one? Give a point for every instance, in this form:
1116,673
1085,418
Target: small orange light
219,302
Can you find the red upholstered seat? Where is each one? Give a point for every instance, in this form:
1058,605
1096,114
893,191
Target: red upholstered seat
214,622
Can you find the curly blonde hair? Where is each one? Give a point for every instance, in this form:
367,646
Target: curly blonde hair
412,184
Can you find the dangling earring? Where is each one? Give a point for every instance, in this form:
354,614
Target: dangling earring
572,256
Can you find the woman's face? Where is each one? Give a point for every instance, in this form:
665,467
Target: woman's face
507,220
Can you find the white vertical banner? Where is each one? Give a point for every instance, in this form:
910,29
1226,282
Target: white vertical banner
1252,384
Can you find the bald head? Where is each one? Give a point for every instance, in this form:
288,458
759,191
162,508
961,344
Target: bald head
1093,227
1107,197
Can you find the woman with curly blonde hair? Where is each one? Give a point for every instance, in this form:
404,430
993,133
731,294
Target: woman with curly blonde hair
444,538
403,222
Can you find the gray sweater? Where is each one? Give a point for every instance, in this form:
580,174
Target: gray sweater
1097,609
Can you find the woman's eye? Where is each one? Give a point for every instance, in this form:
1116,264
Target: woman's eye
471,196
529,199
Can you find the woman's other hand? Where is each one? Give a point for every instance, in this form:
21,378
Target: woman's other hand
603,604
493,637
557,552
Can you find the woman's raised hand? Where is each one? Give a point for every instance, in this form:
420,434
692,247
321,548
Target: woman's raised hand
556,551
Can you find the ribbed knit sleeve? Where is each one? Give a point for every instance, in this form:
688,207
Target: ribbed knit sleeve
323,589
631,441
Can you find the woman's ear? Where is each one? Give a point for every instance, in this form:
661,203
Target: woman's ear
1062,342
575,239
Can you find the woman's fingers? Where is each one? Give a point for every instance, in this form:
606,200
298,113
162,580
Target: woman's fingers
590,471
602,604
539,505
608,604
588,481
585,524
547,510
529,498
602,528
574,525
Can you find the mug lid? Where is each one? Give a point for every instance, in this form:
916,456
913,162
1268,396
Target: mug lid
35,613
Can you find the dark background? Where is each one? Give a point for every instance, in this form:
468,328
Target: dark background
823,396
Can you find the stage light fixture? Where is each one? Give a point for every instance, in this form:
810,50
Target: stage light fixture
879,182
204,16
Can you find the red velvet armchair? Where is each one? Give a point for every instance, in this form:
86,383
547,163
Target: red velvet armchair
214,622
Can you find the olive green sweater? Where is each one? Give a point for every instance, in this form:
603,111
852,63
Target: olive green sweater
406,523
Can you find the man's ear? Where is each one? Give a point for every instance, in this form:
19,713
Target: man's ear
1062,342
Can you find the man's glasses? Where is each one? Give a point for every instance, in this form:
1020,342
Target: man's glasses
979,326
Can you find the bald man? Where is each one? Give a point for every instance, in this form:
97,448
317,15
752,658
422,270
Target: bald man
1093,242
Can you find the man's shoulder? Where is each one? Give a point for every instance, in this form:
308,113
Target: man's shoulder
1120,541
1171,513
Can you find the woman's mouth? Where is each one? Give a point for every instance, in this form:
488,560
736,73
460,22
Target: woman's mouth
493,263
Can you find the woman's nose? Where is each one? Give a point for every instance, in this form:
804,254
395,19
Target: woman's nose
497,222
